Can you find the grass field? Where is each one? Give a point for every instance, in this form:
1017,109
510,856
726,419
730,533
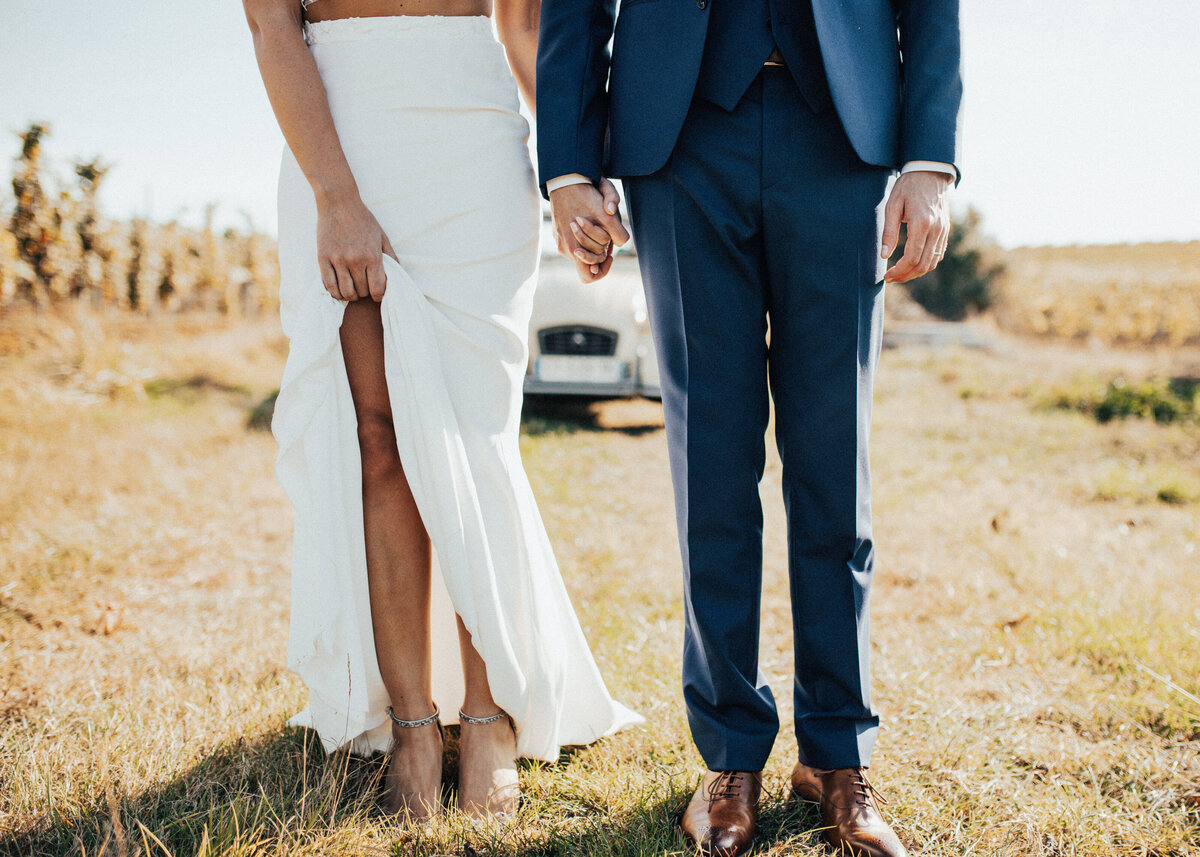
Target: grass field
1115,294
1036,614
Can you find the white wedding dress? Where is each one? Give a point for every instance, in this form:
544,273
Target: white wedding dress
426,110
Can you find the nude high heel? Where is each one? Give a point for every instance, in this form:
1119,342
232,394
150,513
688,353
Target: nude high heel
501,794
400,795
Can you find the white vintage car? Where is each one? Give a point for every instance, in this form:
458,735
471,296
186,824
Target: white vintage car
590,339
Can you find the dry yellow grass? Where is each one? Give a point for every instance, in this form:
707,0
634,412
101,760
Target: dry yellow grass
1120,294
1034,642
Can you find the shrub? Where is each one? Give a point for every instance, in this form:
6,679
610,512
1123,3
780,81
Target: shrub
962,283
1163,400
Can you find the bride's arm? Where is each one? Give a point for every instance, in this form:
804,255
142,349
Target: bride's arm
517,27
350,242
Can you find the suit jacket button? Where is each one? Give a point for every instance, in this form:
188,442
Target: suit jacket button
702,4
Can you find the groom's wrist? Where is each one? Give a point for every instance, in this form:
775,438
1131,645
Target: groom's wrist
565,181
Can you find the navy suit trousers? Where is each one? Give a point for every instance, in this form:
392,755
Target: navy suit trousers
766,214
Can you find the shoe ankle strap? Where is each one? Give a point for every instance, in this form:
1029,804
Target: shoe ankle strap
414,724
481,721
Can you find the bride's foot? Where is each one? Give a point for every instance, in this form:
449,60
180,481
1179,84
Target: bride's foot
413,784
487,765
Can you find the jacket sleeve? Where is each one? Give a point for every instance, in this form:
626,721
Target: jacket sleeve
572,87
931,56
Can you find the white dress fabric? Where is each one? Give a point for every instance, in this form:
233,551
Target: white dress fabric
427,113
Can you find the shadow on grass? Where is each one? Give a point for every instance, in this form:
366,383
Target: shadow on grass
278,793
241,790
653,829
259,417
545,415
541,415
584,824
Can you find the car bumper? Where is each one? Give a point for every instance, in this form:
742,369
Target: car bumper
631,386
630,390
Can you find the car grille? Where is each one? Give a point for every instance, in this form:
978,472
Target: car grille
578,340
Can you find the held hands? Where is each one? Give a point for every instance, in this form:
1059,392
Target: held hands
350,248
587,222
919,199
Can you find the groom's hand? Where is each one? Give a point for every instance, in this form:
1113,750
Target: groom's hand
587,222
918,198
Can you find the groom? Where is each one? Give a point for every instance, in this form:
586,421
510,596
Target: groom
756,139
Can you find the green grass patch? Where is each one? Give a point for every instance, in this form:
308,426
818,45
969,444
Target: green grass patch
1164,400
190,389
1144,659
1147,483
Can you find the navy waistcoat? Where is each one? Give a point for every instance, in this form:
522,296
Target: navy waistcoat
742,34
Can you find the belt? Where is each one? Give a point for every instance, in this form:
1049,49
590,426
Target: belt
775,60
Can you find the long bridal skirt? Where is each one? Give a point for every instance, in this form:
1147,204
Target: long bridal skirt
426,111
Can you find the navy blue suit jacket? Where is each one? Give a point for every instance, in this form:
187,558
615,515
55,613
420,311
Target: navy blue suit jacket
893,68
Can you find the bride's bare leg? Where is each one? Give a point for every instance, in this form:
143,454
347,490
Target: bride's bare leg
398,570
487,764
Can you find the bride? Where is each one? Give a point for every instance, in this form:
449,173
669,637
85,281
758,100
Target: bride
408,244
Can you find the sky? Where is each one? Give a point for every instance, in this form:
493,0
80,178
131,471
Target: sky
1081,117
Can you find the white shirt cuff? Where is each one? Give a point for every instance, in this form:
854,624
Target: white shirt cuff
931,167
565,181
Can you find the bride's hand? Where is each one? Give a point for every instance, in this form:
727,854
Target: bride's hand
350,248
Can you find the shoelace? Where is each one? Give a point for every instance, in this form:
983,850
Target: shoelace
863,787
725,787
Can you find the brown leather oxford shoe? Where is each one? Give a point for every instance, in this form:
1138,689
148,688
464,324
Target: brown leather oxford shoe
850,810
721,816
